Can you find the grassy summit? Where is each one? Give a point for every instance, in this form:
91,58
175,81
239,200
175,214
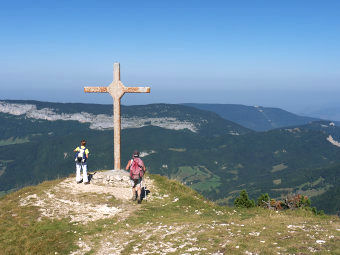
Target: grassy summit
58,217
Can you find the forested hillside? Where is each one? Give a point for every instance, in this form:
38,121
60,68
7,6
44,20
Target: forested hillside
169,116
282,161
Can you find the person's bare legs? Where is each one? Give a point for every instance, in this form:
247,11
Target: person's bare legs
139,191
134,194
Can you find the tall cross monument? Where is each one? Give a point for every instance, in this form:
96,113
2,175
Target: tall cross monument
117,90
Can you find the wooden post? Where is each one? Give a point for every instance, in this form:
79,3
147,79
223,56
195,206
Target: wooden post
116,132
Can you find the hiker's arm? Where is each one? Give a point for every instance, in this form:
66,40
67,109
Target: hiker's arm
128,165
87,152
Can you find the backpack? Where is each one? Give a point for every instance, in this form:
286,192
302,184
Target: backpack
136,170
80,156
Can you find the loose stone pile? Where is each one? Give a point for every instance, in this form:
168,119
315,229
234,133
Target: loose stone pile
113,178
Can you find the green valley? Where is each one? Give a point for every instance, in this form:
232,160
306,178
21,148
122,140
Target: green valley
217,164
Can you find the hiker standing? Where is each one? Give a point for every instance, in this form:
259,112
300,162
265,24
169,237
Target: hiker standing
82,154
137,170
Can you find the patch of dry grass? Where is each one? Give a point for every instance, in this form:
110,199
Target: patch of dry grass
23,233
180,221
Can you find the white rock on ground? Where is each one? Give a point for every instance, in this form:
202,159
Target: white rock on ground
62,200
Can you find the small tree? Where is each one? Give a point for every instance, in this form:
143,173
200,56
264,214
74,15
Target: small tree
304,202
244,201
263,200
296,201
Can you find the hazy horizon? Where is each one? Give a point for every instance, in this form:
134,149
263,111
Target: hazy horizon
321,110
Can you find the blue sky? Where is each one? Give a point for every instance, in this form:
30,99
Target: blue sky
272,53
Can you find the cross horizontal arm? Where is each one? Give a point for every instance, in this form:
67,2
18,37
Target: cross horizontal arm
95,89
137,89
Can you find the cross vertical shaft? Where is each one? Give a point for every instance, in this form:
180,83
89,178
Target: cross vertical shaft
116,118
116,132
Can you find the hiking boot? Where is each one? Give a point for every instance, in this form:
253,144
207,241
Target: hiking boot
139,200
78,182
86,183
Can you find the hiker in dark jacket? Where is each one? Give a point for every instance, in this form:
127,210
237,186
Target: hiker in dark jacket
137,169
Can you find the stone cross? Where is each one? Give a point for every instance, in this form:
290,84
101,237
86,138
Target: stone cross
117,90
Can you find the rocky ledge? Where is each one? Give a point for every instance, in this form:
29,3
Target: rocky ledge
114,178
97,121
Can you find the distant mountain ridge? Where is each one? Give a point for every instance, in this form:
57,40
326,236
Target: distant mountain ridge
257,118
332,113
99,116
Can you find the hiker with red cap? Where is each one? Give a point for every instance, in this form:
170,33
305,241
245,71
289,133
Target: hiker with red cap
137,169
